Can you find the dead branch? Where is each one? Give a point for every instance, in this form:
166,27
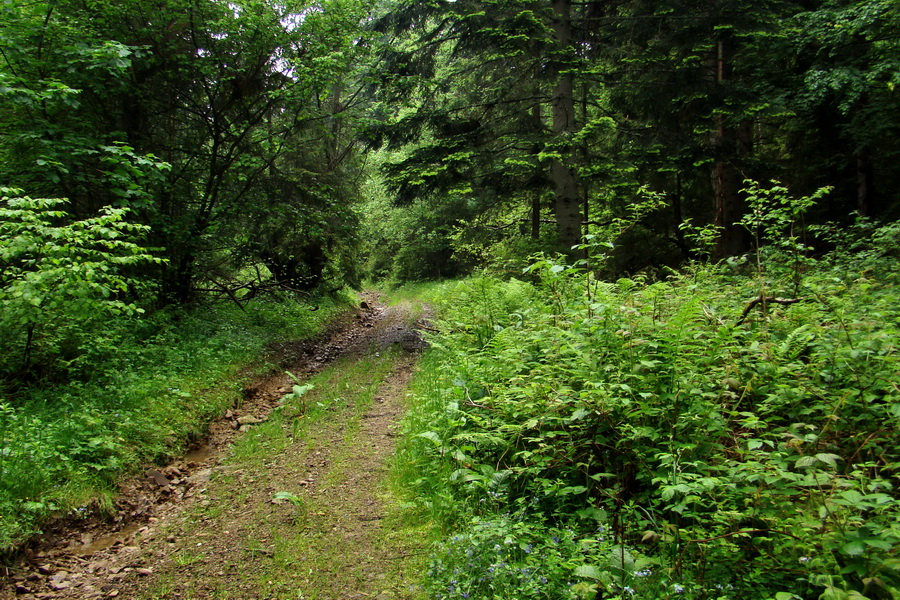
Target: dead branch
764,301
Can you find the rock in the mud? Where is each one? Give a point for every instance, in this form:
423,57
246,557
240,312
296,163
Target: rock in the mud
173,472
59,581
98,566
248,420
200,477
158,478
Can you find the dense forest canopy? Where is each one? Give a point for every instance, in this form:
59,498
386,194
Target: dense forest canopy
534,119
221,134
699,198
238,132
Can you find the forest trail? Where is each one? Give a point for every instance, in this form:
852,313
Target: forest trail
280,503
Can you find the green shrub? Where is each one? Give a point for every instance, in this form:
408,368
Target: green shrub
518,556
747,449
59,278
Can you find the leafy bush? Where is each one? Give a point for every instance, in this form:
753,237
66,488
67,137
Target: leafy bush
57,277
517,555
746,448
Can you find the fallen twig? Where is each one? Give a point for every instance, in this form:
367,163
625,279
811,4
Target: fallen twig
764,300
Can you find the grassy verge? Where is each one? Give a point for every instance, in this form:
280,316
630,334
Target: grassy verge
155,386
416,294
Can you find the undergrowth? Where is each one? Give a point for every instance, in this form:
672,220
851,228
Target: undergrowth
147,387
730,432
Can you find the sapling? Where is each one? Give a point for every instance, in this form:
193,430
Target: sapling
772,219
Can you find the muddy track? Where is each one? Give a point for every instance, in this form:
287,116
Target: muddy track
159,517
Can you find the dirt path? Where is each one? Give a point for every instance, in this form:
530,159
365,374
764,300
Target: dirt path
282,501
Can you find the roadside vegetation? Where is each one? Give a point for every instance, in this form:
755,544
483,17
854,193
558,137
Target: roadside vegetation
140,391
727,431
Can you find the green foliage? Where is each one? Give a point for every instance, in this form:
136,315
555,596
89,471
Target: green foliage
736,452
251,104
851,79
155,383
58,276
517,556
415,242
487,107
773,216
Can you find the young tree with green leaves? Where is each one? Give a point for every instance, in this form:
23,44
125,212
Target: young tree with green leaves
58,277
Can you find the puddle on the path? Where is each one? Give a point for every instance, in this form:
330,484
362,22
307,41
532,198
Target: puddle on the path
199,455
107,541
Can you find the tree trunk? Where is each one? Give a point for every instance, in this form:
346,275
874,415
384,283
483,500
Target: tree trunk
567,202
726,180
729,208
178,282
538,125
865,204
678,212
332,144
585,182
